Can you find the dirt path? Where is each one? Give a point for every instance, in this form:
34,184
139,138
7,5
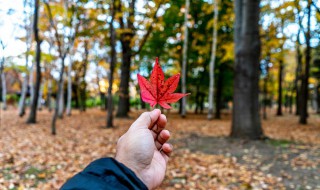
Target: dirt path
297,166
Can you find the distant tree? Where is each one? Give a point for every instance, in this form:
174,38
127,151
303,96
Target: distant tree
63,50
246,119
113,56
213,59
297,80
306,71
28,30
185,59
3,79
127,36
34,101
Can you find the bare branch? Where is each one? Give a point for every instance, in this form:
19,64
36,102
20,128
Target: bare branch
54,27
316,7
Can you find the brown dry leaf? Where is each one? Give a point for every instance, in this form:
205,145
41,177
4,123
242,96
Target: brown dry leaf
31,158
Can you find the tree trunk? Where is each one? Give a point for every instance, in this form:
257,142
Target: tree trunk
49,94
69,99
265,90
40,97
31,79
124,104
184,60
61,101
112,66
124,101
219,94
290,103
246,119
4,90
212,61
314,98
125,38
83,84
280,76
298,74
101,94
202,103
27,26
22,100
197,100
305,76
60,91
33,109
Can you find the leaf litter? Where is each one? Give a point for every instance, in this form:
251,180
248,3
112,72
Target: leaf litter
31,158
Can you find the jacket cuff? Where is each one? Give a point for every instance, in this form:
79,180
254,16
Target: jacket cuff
106,167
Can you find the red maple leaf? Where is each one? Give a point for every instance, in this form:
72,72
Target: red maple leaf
159,91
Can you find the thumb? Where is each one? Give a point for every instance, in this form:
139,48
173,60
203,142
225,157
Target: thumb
146,119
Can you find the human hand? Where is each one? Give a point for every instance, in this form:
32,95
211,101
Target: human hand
144,148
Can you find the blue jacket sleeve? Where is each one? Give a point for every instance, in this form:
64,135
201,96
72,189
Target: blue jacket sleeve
104,174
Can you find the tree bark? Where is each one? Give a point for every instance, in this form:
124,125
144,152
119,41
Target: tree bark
219,94
49,94
197,99
22,100
280,76
298,74
83,84
33,109
246,119
61,100
69,99
39,107
315,98
31,81
59,92
125,38
4,90
212,61
265,90
112,66
305,75
185,60
27,27
124,104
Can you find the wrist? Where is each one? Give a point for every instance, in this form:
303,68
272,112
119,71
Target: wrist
132,167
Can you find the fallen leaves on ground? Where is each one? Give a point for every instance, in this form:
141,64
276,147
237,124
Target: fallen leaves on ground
31,158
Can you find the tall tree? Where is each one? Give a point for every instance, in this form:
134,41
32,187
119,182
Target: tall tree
246,119
27,27
34,101
298,73
125,39
3,79
83,84
69,96
306,71
280,80
113,56
127,35
185,59
213,59
63,50
281,68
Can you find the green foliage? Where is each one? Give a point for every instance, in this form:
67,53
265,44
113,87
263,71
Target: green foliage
279,143
12,98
